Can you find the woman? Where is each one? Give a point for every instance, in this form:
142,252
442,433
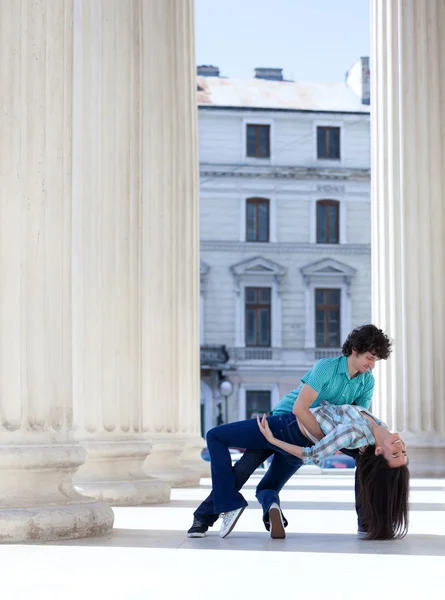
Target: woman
383,472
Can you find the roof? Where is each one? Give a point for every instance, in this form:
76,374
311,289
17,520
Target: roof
279,95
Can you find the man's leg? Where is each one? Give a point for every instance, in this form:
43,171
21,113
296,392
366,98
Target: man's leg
267,492
243,469
356,454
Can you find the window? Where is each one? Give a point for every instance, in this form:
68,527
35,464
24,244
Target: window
328,142
328,222
257,220
257,320
257,403
327,318
258,141
257,272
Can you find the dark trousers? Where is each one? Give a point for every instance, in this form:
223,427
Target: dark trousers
279,472
227,481
267,491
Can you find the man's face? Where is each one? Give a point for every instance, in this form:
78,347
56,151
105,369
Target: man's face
364,362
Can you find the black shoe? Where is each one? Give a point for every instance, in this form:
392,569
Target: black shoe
197,530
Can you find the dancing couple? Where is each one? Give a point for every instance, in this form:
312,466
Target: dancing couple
326,413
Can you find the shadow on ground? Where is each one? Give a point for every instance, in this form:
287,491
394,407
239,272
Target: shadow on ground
305,505
418,545
330,488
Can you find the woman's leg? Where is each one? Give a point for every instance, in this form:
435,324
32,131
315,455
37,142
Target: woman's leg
278,474
243,434
242,470
283,467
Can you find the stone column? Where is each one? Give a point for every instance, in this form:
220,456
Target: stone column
38,455
106,235
408,210
170,260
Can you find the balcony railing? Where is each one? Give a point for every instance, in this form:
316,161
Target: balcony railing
290,355
326,353
255,353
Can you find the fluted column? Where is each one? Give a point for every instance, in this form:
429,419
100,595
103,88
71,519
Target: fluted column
38,455
408,204
106,230
170,267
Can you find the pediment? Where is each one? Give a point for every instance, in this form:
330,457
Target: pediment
258,266
328,267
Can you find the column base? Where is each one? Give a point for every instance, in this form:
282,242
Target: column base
39,502
164,462
127,493
50,523
114,473
191,456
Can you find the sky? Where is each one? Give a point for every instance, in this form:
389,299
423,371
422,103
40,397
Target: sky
311,40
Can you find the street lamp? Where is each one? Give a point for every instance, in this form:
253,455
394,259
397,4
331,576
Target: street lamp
225,389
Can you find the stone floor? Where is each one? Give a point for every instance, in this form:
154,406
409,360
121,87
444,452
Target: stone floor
148,555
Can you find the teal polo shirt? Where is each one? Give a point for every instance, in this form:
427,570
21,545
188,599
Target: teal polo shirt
330,378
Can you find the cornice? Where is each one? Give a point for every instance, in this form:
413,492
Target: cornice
277,247
277,172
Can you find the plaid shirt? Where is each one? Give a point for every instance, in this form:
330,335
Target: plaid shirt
344,427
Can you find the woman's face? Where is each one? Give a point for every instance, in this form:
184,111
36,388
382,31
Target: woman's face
393,449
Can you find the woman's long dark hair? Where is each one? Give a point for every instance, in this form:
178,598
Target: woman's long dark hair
383,496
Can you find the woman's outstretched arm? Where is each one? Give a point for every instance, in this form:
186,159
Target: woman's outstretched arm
347,435
266,431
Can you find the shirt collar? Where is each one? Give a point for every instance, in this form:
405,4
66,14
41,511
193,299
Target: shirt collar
343,365
368,433
343,368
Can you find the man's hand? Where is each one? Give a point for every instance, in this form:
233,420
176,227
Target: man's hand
301,410
265,429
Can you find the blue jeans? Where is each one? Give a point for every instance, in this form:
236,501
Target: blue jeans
242,470
278,474
246,434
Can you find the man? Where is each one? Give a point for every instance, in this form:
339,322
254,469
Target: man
346,379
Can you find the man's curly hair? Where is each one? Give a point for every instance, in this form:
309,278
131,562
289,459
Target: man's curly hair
368,338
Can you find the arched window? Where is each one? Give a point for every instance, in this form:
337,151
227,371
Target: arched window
328,213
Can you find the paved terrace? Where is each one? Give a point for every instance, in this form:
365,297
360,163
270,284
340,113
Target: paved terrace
148,556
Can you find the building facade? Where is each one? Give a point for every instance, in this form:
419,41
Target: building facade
285,231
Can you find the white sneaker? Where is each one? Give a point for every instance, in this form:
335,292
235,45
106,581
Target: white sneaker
230,519
277,531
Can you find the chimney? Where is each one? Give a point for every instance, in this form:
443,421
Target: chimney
207,70
358,78
269,74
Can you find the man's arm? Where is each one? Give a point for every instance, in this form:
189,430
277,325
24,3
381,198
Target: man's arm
305,399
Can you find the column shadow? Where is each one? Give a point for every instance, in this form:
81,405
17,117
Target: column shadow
412,544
